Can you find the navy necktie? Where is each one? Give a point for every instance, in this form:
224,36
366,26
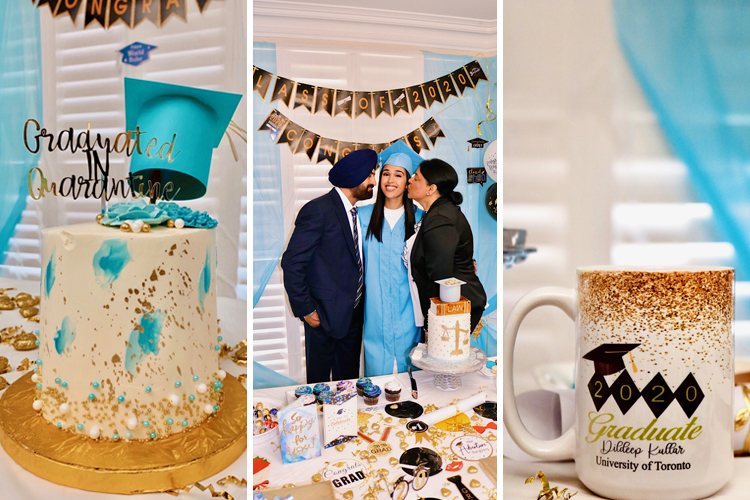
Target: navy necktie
360,283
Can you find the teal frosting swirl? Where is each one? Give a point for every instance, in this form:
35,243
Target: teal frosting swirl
134,210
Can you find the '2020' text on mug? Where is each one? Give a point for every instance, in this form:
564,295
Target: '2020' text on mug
654,380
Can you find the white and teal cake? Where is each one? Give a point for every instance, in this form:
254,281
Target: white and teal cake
129,342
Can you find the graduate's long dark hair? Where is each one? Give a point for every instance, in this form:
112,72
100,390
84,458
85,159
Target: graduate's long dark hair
378,212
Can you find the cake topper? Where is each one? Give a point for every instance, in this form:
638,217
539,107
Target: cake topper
188,123
450,289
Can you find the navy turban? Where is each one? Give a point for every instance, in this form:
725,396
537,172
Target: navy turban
353,169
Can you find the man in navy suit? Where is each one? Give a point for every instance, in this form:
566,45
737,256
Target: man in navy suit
324,270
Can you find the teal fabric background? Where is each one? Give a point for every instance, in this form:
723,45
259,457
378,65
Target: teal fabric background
692,60
268,211
20,99
459,122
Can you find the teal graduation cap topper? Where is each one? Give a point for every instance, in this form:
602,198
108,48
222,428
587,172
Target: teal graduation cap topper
400,154
180,127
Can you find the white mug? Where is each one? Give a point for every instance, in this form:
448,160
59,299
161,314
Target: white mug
654,380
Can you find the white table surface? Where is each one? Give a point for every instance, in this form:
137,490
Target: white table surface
301,472
563,475
17,483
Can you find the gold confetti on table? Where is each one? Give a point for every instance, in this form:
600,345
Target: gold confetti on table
240,353
24,365
548,493
25,342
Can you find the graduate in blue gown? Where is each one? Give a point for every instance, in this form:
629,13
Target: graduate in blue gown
389,330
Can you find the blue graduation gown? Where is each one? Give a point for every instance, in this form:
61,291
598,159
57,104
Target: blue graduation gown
389,330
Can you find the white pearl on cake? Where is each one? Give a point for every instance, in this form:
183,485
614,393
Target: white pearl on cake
36,378
64,408
136,226
202,388
174,399
94,432
132,423
221,374
208,409
179,223
37,404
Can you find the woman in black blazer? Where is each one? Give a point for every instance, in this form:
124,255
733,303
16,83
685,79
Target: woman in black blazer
444,246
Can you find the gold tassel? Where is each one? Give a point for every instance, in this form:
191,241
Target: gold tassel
241,133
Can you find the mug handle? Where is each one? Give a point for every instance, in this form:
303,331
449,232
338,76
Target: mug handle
562,448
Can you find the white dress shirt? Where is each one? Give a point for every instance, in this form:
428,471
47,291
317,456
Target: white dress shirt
348,207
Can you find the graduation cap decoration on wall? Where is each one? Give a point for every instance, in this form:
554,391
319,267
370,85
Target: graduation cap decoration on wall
477,143
608,360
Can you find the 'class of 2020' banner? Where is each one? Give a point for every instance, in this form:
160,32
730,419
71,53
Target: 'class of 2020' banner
130,12
300,140
371,103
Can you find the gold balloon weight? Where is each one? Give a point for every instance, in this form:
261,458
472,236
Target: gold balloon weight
119,467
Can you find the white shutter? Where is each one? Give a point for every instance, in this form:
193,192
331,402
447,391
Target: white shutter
83,83
588,173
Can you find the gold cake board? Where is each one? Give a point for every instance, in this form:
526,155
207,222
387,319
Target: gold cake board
122,467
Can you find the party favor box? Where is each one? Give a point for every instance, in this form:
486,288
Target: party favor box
340,421
298,432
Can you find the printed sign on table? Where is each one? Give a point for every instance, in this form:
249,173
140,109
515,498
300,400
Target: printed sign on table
298,432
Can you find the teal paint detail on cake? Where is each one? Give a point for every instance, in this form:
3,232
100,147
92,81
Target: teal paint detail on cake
49,274
204,284
144,340
65,335
109,261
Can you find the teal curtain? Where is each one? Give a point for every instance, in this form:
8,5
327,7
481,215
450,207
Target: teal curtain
265,378
268,213
692,60
459,122
20,99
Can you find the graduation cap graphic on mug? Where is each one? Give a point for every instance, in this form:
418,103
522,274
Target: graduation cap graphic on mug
189,121
607,358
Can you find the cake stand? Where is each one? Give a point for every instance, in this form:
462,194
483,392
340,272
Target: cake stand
106,466
447,373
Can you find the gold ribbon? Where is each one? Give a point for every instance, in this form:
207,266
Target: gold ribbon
241,133
741,419
214,493
491,116
548,493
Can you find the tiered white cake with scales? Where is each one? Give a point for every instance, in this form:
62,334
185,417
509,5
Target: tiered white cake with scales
129,342
449,323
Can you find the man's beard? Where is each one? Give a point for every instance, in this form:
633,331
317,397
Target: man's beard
362,192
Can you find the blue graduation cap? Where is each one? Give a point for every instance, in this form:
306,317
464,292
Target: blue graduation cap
185,123
399,154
